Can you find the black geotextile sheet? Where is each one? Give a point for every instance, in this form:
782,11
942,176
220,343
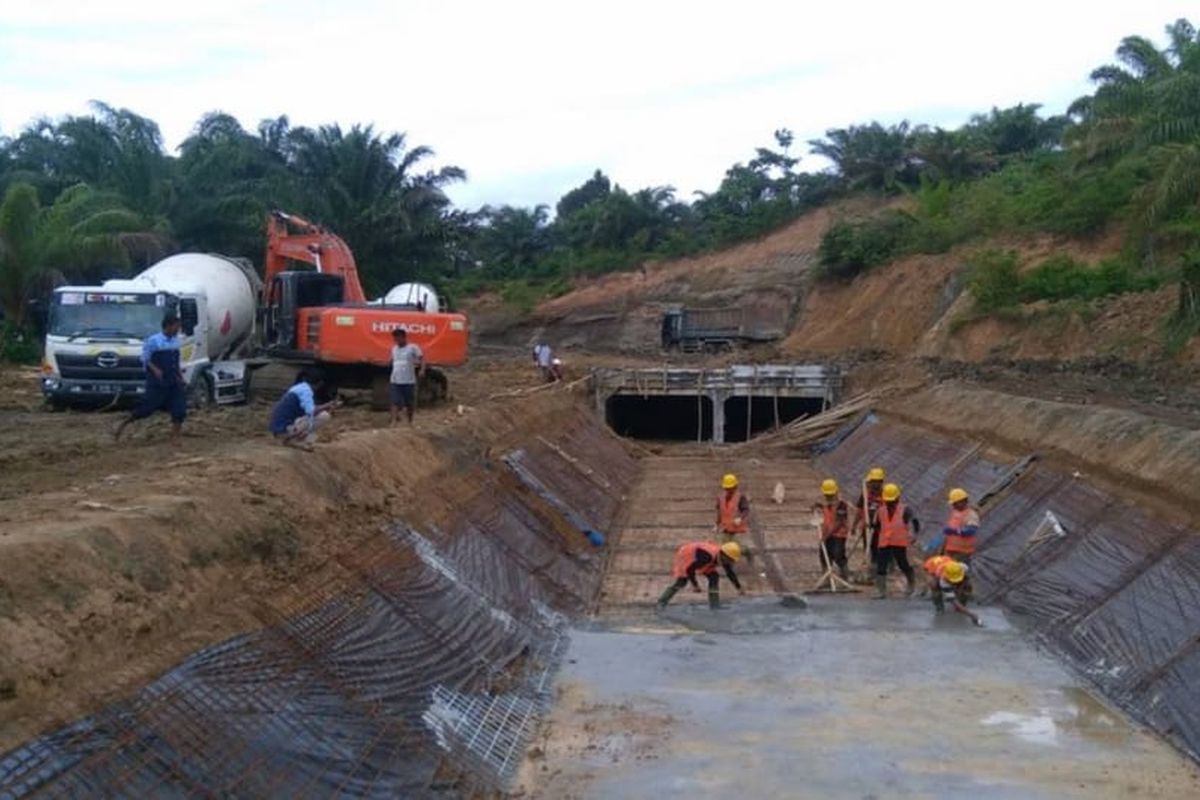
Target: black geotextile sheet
328,699
1105,584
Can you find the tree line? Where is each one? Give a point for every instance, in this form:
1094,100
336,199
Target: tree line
90,196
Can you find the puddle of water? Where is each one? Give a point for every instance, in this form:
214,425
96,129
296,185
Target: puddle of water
1037,728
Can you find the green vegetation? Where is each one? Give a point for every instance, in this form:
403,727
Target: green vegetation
1128,155
97,195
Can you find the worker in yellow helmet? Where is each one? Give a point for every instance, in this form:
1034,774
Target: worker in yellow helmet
866,510
947,579
733,514
835,526
961,527
703,558
897,528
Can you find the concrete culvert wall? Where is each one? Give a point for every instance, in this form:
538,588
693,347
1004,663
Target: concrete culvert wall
420,657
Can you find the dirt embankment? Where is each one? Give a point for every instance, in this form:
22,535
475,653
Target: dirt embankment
1144,458
117,561
623,311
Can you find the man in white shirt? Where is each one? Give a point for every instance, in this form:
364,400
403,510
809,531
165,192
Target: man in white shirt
408,363
543,357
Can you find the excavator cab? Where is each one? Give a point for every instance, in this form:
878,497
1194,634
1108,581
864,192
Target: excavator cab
289,292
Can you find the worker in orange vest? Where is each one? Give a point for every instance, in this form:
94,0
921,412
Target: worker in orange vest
703,558
733,514
946,583
866,510
961,527
835,526
897,527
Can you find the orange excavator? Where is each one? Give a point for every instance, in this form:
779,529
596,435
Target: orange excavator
321,316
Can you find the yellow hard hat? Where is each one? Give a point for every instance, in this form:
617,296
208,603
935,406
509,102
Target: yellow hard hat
891,492
729,481
876,474
733,550
954,572
957,495
829,487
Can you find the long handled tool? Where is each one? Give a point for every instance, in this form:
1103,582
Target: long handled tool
829,581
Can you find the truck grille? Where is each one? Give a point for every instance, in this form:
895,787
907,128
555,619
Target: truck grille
100,367
314,331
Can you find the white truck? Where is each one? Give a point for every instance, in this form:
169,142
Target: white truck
95,333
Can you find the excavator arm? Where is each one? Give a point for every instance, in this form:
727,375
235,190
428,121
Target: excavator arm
310,244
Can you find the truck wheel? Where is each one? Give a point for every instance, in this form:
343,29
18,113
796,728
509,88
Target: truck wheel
202,392
434,388
381,399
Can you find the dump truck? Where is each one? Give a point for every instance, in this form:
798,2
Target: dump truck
94,335
695,330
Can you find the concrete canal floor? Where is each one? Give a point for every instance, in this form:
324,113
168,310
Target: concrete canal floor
849,698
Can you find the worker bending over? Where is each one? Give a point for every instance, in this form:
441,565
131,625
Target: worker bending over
866,511
703,558
961,527
897,526
733,514
947,579
835,526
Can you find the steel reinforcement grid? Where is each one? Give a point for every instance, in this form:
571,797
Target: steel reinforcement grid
1106,586
432,656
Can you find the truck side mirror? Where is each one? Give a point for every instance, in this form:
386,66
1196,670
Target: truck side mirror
189,315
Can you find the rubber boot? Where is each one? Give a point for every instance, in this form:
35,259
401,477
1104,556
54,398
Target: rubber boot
881,587
714,599
910,587
666,596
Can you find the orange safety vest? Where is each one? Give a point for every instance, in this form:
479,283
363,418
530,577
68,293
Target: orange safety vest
832,527
956,542
729,512
686,554
893,531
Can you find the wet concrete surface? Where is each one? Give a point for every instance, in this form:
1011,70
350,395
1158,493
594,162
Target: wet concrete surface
847,698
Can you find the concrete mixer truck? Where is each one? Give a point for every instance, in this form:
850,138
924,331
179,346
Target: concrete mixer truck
95,333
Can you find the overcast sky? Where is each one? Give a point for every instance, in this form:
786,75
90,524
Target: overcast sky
530,97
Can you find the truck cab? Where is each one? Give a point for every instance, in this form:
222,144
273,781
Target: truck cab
94,337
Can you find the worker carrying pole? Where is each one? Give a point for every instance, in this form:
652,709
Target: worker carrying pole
866,512
897,527
961,527
733,515
947,582
703,558
835,527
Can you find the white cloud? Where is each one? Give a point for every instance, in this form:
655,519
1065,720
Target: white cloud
529,97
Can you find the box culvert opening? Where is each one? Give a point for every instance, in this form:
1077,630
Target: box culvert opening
662,417
748,416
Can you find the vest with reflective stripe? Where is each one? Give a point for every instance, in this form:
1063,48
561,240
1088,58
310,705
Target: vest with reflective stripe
956,540
831,526
686,554
893,531
730,512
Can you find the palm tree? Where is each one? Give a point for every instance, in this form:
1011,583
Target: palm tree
1148,107
83,231
870,156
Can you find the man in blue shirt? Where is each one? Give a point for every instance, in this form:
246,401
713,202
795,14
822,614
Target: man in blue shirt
296,417
165,390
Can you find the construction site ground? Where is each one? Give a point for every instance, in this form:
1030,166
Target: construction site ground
847,697
118,560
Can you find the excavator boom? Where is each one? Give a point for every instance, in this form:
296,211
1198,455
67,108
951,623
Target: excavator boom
310,244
